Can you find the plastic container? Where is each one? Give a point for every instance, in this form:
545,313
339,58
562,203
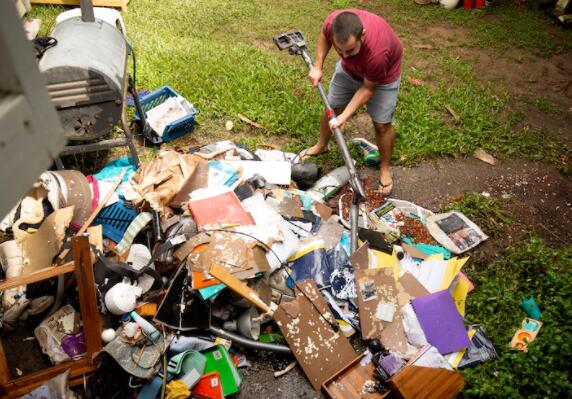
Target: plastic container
174,129
115,219
329,184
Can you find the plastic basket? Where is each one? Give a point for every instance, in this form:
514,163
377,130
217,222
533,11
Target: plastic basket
174,129
115,219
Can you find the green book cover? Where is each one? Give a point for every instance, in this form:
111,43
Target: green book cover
220,361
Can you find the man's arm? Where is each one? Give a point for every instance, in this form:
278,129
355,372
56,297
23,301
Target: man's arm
361,96
322,48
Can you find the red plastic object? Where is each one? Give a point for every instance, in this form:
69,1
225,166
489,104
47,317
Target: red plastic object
467,4
208,387
479,3
220,209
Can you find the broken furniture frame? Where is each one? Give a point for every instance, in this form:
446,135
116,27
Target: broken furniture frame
294,42
411,382
82,266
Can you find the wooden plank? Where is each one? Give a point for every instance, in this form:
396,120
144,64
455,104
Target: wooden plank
239,287
306,324
23,385
4,370
97,3
39,275
87,295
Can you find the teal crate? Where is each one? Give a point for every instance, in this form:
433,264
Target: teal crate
174,129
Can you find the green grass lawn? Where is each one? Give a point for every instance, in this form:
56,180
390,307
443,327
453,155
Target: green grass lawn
220,55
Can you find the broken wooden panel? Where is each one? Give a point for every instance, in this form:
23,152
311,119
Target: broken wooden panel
377,300
318,348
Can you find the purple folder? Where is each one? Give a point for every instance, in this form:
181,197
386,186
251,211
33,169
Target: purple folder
441,322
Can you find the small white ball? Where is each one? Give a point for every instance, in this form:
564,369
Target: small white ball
108,335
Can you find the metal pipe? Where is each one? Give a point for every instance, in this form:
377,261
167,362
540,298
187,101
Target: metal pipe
354,215
86,11
249,343
339,136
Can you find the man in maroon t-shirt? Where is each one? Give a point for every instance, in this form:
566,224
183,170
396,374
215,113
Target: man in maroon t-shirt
369,72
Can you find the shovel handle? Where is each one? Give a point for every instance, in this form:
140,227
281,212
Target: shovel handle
239,287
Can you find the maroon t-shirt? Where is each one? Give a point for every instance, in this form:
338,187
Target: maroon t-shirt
379,59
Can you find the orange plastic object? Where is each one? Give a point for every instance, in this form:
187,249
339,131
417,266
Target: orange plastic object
208,387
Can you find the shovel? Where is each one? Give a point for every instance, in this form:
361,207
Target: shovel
294,42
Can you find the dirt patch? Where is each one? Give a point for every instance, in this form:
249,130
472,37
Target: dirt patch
261,383
538,196
529,78
525,76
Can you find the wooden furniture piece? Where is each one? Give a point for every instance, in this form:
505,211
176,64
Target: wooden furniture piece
352,381
82,266
413,382
97,3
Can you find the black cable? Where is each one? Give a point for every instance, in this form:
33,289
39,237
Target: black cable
333,325
298,227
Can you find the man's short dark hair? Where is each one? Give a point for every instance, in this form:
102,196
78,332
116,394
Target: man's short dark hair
346,24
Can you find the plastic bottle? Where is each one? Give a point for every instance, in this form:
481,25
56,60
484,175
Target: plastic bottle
329,184
150,331
370,151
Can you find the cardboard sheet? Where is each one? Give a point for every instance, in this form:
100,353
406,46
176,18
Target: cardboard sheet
40,247
290,208
393,336
376,289
242,257
380,299
95,234
318,348
199,179
159,181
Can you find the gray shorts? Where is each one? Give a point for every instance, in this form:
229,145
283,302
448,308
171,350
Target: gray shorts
381,106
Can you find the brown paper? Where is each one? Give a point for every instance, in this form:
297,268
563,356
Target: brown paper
374,287
199,179
414,252
360,259
40,247
159,181
317,347
393,335
290,208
